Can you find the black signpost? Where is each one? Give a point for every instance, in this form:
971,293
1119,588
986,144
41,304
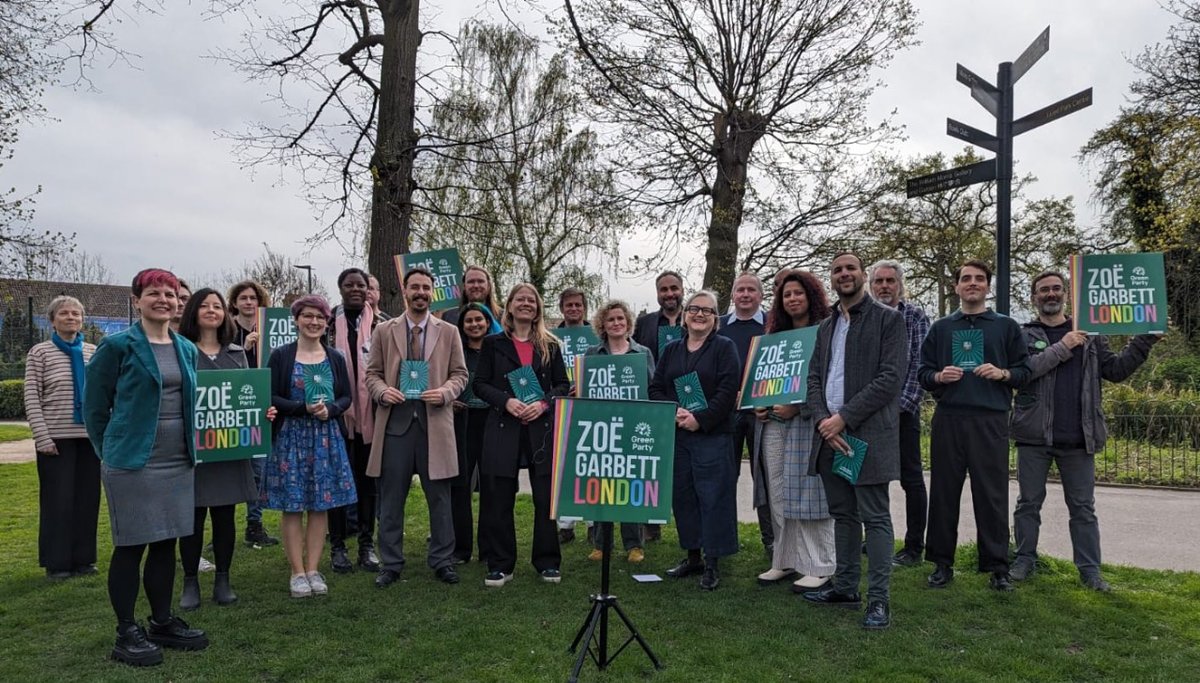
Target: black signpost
998,100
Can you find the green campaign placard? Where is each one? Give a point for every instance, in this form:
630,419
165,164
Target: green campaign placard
230,422
966,348
624,377
276,328
447,270
1119,293
414,378
668,334
613,460
848,465
318,383
525,385
575,342
777,368
690,393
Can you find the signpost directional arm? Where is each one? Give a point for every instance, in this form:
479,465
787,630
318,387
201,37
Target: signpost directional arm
957,129
970,174
1059,109
1039,47
982,91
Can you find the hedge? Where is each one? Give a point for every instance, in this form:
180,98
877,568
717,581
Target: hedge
12,399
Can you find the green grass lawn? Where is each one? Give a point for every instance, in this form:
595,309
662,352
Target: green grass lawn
420,630
14,432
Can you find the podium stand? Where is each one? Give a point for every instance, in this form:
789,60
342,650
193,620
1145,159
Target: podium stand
595,626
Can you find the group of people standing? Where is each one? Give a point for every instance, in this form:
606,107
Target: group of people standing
120,416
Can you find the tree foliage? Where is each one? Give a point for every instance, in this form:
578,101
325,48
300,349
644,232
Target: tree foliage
1147,163
522,188
702,93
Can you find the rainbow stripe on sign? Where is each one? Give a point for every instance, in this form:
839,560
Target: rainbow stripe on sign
562,419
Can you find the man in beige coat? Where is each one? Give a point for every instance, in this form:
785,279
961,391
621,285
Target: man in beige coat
415,435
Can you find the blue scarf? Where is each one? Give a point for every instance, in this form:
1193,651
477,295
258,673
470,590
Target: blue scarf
74,351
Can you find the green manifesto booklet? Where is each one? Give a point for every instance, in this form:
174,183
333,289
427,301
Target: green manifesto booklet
414,378
689,392
525,385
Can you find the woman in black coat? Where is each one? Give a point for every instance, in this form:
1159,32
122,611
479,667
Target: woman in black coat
519,436
704,495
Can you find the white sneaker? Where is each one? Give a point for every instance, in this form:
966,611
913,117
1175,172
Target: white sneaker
206,566
775,575
811,582
317,582
300,587
497,579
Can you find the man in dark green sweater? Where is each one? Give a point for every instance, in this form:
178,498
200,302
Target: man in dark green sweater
973,388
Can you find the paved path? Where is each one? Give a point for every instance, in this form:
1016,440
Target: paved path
16,451
1149,528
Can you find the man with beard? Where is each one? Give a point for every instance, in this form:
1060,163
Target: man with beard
887,287
350,333
742,325
1057,418
477,288
415,436
669,287
970,425
854,384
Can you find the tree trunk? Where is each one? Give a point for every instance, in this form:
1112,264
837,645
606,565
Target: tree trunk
734,137
395,149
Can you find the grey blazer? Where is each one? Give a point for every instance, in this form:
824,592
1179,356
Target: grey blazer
876,364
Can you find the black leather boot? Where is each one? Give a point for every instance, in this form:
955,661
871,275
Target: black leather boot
222,593
189,599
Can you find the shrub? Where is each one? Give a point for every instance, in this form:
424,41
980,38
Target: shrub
1162,418
12,399
1182,373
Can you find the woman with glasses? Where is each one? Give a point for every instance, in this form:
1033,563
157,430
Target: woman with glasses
704,501
308,470
783,434
518,436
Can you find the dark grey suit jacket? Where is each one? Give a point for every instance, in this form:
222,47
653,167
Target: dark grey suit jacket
876,363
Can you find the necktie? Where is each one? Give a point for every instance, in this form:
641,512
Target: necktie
416,350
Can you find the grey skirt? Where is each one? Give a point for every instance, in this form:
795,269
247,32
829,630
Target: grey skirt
152,504
224,483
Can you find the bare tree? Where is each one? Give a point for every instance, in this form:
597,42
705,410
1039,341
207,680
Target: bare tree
524,190
702,91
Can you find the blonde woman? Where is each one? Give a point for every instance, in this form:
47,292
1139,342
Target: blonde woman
68,470
518,436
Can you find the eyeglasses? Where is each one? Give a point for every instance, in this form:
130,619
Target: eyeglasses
700,310
312,317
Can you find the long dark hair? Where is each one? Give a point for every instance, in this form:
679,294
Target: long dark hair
189,321
818,304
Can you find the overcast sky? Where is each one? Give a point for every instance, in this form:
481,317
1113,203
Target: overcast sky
136,168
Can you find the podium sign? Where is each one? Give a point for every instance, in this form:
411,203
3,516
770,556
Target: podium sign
613,460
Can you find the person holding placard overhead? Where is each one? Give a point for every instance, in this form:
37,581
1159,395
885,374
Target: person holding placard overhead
803,529
613,325
220,486
1058,417
246,297
700,373
415,373
971,361
854,383
308,470
520,371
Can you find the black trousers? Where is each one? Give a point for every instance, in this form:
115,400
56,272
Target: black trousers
743,442
69,505
224,535
359,453
470,446
497,529
912,480
976,444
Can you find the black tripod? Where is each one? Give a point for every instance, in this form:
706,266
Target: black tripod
597,618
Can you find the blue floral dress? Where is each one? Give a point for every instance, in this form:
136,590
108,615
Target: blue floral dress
308,469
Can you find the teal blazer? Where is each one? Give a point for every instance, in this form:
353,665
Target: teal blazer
122,393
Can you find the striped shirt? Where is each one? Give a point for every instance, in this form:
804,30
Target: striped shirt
50,394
